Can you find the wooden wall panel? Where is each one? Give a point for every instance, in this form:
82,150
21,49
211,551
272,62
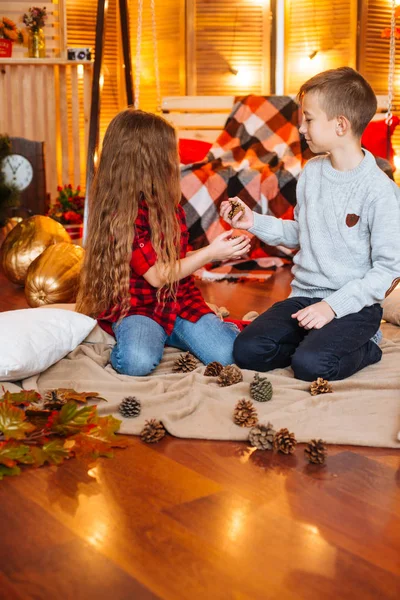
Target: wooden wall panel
326,26
81,31
170,27
35,104
231,34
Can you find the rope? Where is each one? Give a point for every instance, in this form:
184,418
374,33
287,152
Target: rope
155,49
138,50
392,56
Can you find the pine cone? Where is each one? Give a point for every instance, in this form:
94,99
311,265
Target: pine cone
245,414
229,375
213,369
284,441
262,436
320,386
130,407
316,452
184,363
236,207
52,401
153,431
261,389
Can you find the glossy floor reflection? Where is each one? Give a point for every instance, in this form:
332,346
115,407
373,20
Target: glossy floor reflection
197,519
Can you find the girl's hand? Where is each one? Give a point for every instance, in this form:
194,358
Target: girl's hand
314,316
224,246
243,220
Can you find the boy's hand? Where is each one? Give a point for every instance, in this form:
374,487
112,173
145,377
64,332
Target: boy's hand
224,246
243,220
314,316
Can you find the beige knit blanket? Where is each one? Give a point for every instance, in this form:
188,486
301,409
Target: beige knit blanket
362,410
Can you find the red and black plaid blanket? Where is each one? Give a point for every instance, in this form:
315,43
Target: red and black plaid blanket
258,157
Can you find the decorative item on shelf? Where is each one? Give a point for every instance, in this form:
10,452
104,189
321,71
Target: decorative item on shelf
245,413
79,54
213,369
25,242
284,441
130,407
35,20
320,386
229,375
9,35
184,363
262,436
261,389
68,210
316,452
152,432
53,277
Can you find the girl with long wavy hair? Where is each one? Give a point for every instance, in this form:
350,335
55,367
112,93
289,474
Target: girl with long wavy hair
137,274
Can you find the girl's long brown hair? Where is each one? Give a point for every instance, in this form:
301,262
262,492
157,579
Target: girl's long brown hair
139,160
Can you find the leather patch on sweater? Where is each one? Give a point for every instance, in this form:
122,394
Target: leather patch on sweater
395,283
352,220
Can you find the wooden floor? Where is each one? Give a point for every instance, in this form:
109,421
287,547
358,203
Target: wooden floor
189,519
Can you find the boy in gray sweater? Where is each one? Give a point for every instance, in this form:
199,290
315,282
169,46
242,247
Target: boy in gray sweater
347,230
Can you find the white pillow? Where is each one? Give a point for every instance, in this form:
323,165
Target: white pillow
32,340
96,336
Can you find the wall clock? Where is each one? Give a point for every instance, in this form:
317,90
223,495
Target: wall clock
25,168
17,171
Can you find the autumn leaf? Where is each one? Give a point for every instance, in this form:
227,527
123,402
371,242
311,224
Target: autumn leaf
99,440
84,445
71,420
72,431
55,452
22,398
70,394
105,430
39,457
8,471
13,423
11,454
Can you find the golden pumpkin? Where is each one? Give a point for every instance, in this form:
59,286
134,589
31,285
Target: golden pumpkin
26,241
53,276
5,230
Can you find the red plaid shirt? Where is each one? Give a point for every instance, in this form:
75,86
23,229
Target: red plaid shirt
189,302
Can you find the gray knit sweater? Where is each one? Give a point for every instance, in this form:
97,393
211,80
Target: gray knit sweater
347,226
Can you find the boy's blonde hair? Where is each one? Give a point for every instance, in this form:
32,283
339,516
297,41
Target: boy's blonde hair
343,91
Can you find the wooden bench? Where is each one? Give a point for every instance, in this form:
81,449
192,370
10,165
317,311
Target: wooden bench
198,117
203,117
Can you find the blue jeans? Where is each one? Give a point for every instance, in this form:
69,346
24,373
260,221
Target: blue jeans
336,351
140,342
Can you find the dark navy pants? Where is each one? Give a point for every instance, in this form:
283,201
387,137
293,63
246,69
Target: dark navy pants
336,351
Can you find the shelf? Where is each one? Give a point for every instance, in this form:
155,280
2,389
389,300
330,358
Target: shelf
43,61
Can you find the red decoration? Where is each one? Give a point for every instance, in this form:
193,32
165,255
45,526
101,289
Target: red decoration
5,48
374,137
192,151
